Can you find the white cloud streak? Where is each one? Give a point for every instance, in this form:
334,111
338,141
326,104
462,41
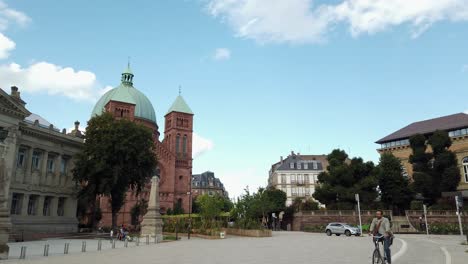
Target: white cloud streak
6,46
300,21
201,145
9,15
52,79
222,54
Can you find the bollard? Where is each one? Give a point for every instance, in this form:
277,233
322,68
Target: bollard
126,243
99,245
46,250
66,248
23,252
147,239
137,242
113,243
83,246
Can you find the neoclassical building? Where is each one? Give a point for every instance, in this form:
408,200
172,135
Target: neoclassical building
36,162
174,151
457,127
297,175
207,183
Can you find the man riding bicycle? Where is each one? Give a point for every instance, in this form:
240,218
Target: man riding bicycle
380,226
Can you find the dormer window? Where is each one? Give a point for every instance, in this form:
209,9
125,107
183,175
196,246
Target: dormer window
291,165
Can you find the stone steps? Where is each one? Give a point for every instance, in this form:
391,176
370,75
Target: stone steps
401,225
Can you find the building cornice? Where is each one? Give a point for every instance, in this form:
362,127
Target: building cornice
49,134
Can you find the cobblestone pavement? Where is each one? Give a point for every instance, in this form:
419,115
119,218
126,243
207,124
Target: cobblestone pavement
283,247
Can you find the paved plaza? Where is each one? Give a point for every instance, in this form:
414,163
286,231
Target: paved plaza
283,247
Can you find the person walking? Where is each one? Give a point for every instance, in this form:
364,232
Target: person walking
380,226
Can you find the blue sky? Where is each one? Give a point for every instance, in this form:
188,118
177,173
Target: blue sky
263,77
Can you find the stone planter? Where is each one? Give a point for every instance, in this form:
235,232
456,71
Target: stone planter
249,233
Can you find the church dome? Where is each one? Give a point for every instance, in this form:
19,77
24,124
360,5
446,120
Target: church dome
126,93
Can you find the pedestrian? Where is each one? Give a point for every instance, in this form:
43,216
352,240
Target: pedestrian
421,222
111,233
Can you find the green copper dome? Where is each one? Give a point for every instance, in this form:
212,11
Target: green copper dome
126,93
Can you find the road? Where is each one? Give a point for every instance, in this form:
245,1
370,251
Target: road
283,247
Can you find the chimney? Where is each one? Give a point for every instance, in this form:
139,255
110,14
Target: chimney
15,93
281,158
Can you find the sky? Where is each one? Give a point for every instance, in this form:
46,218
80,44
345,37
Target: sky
263,77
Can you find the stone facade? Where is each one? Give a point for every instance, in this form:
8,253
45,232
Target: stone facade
36,171
297,175
207,183
401,149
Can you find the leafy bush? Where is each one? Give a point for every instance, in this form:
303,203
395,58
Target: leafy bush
416,205
445,229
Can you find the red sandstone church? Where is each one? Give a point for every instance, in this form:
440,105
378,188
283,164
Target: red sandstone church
174,152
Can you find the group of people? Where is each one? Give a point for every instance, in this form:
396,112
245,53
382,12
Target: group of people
122,233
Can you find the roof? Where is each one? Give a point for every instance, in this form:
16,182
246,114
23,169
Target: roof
126,93
285,165
42,121
180,106
449,122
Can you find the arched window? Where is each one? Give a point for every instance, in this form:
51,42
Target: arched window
465,168
177,144
184,143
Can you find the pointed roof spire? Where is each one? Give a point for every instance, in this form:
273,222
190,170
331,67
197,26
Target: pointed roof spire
127,75
180,105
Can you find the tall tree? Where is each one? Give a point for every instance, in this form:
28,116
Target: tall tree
395,193
343,179
118,155
436,172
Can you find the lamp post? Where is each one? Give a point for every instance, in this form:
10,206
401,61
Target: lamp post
190,213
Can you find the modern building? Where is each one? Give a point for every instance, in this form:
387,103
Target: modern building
457,127
36,162
207,183
174,151
297,175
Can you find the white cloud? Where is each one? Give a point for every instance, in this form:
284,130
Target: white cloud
6,45
200,145
9,15
300,21
237,180
52,79
222,54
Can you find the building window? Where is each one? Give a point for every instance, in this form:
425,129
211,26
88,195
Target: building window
32,204
291,165
46,208
293,178
465,168
306,178
16,201
283,178
63,166
21,157
300,179
36,159
61,206
299,166
315,165
177,144
50,163
306,166
184,144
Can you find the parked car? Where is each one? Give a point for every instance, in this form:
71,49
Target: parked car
342,228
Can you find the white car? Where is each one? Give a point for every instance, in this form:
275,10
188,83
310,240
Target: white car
342,228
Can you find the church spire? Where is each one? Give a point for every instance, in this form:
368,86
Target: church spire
127,75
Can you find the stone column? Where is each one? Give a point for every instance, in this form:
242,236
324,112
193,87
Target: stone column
28,170
59,179
40,205
43,171
53,206
24,205
152,221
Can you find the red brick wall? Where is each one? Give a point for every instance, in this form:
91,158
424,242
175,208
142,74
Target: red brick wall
315,218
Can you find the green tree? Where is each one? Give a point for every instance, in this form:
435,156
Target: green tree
343,179
436,172
118,155
395,192
210,207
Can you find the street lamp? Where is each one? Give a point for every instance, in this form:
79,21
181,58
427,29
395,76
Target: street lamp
190,213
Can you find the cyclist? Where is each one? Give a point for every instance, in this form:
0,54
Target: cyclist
380,226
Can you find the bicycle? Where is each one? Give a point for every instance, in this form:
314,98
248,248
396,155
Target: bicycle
378,256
